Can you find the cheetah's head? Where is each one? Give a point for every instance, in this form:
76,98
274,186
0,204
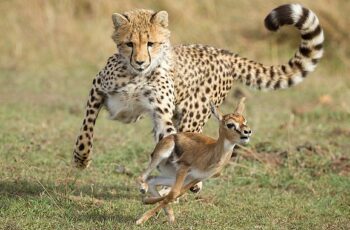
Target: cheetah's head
141,37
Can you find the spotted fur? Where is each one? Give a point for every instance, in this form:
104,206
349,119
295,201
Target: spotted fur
174,84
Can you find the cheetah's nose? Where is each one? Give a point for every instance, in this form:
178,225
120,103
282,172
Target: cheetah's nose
139,62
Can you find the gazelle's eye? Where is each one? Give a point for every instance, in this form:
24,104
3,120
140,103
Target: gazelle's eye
129,44
150,44
230,126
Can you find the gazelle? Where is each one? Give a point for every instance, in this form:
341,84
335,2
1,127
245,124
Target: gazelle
184,159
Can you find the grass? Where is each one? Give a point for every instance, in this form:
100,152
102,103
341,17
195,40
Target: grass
293,175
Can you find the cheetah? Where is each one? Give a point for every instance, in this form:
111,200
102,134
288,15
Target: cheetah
174,84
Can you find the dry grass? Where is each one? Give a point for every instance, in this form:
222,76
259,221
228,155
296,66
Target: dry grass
40,32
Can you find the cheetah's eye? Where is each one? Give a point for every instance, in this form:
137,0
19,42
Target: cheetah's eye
150,44
129,44
230,126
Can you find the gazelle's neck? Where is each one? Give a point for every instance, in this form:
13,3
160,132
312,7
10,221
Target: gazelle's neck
223,146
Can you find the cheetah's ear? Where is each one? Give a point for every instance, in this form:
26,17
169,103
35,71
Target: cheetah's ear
119,19
215,111
240,107
160,18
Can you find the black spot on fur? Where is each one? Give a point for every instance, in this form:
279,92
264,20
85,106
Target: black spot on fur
97,105
159,110
315,61
290,81
169,130
305,51
277,85
81,147
259,81
299,66
303,18
279,17
147,93
284,70
318,47
312,34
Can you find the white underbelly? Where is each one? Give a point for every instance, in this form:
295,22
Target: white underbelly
124,109
198,174
167,169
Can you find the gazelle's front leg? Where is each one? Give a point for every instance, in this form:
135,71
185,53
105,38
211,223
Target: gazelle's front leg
162,151
153,200
173,194
83,145
159,180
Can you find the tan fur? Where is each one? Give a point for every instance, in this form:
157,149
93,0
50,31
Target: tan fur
192,157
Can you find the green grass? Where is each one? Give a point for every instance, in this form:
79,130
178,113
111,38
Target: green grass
295,173
308,187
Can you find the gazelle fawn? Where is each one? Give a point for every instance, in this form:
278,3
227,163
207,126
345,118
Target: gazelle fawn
184,159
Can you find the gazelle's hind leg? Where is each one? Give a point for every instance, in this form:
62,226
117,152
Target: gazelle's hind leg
161,152
175,191
167,181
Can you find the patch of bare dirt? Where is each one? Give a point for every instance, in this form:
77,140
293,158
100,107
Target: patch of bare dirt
341,165
341,131
310,149
263,153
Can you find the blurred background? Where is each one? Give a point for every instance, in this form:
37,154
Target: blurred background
51,50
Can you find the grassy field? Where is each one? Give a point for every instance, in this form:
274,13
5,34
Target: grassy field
294,174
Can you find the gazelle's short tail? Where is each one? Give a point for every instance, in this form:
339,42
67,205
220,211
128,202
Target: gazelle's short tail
306,57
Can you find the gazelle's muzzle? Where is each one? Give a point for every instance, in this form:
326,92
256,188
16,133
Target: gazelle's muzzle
245,132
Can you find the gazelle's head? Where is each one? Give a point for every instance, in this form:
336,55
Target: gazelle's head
233,125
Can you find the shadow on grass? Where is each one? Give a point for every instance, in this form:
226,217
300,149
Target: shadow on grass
79,209
117,216
27,188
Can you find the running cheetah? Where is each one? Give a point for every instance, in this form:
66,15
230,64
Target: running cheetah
174,84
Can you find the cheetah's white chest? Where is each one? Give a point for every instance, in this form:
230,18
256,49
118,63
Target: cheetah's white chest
125,106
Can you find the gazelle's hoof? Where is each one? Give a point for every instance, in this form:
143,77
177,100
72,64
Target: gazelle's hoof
143,187
139,221
171,219
197,187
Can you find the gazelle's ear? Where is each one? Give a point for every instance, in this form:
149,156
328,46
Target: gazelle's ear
240,107
160,18
215,111
119,19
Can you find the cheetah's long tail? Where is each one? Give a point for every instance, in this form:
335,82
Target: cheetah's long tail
305,59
